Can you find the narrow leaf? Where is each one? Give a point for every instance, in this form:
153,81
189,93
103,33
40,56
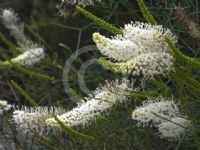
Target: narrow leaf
146,13
99,21
180,56
22,92
72,132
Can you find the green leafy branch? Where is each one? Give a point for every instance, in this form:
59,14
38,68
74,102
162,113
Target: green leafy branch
9,65
180,56
146,13
23,93
99,21
74,133
34,74
141,94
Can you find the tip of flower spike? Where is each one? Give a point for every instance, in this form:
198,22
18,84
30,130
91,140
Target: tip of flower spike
175,128
8,15
6,12
155,111
32,119
30,57
4,106
97,38
3,103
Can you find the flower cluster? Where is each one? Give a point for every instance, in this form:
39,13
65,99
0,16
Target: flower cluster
81,2
12,22
4,106
96,105
164,114
32,53
139,49
148,65
32,120
30,57
174,128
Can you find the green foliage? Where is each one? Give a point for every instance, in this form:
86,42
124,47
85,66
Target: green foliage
22,92
142,94
74,133
99,21
6,41
146,13
181,57
114,67
34,74
46,141
76,96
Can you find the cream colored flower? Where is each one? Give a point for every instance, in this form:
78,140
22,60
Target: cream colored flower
4,106
175,128
97,105
137,39
12,22
155,111
140,50
30,57
31,120
148,65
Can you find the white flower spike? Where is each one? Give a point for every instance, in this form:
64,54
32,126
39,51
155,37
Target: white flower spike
97,105
32,120
31,53
175,128
12,22
140,50
4,106
138,38
155,111
148,65
163,114
30,57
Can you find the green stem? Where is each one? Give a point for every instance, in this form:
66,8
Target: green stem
6,41
142,94
9,65
73,132
34,74
22,92
99,21
146,13
180,56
